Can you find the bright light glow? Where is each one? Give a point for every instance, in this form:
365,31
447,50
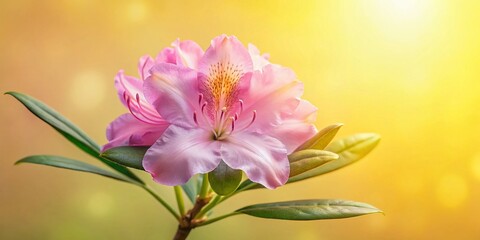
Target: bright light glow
136,11
404,8
401,17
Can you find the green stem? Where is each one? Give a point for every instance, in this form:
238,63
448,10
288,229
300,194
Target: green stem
161,201
218,219
179,197
205,185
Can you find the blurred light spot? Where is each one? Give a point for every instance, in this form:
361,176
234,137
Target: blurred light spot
99,204
475,167
136,11
452,190
87,90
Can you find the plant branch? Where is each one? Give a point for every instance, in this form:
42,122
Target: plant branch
188,221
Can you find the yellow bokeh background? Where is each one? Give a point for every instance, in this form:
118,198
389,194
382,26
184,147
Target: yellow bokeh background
406,69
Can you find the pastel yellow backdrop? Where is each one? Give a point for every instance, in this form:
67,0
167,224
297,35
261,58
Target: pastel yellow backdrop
406,69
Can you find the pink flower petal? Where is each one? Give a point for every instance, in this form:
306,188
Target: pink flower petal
262,158
181,153
225,72
173,91
127,85
274,94
297,127
188,53
167,55
259,61
126,130
225,49
144,64
130,92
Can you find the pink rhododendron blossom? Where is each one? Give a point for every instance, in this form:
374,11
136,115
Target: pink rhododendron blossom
195,109
143,125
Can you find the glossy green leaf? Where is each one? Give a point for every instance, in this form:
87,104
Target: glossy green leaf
62,162
68,130
309,209
129,156
309,159
192,187
349,150
322,138
224,180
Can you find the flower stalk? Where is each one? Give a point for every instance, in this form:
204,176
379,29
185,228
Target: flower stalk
205,186
180,201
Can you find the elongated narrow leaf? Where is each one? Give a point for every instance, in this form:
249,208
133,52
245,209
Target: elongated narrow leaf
62,162
309,209
57,121
349,150
305,160
310,153
68,130
126,156
322,138
224,180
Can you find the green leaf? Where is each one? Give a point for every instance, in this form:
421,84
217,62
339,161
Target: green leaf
322,138
129,156
62,162
309,159
192,187
309,209
68,130
349,149
224,180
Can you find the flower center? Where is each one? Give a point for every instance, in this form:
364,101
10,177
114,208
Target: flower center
224,123
221,84
219,101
